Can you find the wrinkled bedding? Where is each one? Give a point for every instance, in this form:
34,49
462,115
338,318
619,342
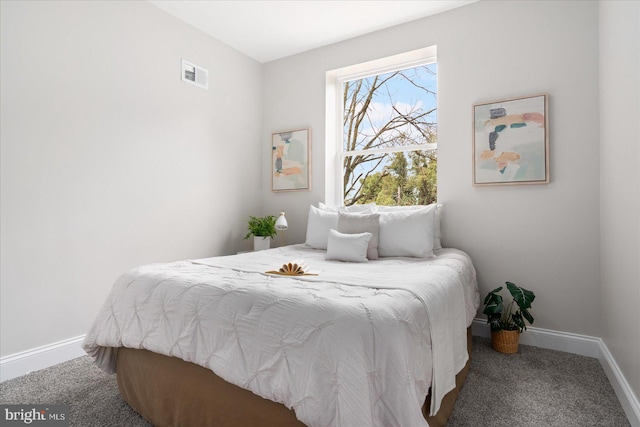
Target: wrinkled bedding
359,344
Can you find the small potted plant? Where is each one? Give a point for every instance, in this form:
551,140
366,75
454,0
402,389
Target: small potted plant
507,325
263,229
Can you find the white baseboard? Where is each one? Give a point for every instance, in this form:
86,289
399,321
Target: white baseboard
22,363
620,385
582,345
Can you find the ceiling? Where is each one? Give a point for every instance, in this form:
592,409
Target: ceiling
267,29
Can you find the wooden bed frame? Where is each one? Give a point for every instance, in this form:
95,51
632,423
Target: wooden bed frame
168,391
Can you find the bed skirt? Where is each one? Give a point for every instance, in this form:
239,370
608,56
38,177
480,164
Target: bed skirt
170,392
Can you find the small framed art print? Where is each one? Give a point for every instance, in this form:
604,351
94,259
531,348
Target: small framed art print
290,160
511,141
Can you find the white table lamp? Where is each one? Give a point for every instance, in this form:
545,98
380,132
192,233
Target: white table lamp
282,225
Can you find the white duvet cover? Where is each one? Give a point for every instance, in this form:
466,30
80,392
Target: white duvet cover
357,345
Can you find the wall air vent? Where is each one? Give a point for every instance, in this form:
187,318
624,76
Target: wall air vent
192,73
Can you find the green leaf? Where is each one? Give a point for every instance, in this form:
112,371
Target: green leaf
493,308
494,321
493,294
493,299
527,315
518,321
521,296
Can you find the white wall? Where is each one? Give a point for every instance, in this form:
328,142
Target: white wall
544,237
109,161
620,183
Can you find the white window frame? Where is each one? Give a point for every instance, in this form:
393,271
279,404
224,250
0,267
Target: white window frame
335,79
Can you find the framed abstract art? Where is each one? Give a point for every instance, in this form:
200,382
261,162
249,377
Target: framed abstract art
511,141
290,160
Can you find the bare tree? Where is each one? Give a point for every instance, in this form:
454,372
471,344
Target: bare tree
362,132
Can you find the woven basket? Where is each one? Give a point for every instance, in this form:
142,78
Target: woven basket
505,341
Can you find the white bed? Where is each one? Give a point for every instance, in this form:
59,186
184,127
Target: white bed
359,344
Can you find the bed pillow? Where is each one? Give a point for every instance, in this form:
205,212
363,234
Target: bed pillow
407,233
437,234
318,226
354,223
366,208
347,247
437,241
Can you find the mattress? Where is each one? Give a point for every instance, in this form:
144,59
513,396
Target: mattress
358,344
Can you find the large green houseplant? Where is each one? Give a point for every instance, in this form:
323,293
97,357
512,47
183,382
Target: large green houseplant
263,229
507,324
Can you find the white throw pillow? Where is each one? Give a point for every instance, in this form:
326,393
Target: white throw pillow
366,208
437,241
318,225
347,247
353,223
407,232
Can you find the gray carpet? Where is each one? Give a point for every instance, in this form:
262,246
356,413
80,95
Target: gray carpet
535,387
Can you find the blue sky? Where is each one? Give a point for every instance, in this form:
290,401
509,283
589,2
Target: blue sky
405,95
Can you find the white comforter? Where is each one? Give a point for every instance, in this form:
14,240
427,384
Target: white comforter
358,345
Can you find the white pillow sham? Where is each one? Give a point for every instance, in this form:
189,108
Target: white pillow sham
353,223
318,225
437,241
347,247
407,232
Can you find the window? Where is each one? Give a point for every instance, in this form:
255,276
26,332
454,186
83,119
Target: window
385,132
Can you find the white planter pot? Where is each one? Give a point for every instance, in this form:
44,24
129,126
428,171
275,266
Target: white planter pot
261,243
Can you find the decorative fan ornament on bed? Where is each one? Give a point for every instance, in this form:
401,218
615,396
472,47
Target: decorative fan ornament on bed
295,268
